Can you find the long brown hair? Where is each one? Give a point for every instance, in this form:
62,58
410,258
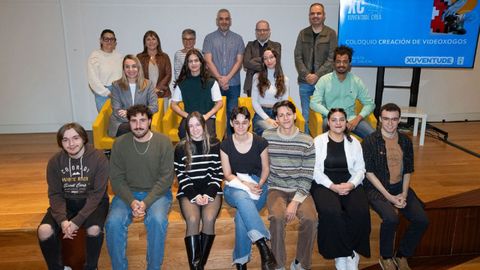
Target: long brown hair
264,83
151,33
140,81
188,146
185,71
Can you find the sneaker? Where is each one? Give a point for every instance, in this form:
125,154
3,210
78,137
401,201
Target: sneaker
401,263
67,268
296,266
352,261
341,263
387,264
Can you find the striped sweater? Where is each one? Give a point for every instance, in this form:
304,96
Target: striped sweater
205,175
292,160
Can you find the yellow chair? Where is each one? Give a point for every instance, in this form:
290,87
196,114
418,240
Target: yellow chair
315,120
101,140
247,102
171,122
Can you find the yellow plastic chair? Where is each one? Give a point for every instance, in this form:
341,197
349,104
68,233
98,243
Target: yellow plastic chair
101,140
171,122
247,102
315,120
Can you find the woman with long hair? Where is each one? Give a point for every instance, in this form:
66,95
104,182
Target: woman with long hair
245,167
342,205
156,64
198,91
104,67
199,173
269,86
131,89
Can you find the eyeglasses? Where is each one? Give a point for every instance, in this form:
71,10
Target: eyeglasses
388,119
188,39
262,30
109,39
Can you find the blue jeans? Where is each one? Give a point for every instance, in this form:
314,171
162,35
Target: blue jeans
156,223
259,125
100,100
362,130
232,94
306,91
249,226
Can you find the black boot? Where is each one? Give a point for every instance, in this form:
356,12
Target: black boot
51,250
207,242
192,243
266,255
93,249
241,266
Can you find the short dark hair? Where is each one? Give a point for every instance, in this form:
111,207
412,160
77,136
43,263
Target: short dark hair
346,132
283,103
239,110
189,31
343,50
139,109
75,126
391,107
107,31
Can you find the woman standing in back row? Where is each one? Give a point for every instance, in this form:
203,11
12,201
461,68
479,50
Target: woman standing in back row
156,64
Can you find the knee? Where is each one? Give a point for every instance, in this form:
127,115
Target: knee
158,220
277,218
93,230
44,232
390,220
192,220
421,221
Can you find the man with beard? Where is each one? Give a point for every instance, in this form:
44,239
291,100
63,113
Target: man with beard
313,55
340,89
223,50
141,174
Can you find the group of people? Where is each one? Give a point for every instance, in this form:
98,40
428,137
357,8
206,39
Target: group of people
317,181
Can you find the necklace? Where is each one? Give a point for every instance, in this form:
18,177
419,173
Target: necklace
136,149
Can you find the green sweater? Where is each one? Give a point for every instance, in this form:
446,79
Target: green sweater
292,160
151,172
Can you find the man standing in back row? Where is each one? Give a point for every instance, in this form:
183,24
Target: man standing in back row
253,60
223,51
313,55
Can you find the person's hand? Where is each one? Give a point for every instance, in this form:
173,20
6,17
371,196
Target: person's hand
254,188
272,122
311,78
291,211
351,125
397,201
223,81
69,229
345,188
138,208
201,200
122,113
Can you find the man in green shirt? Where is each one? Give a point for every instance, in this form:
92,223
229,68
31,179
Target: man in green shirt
340,89
141,174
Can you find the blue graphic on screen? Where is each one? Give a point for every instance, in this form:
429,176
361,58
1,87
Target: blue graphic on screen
410,33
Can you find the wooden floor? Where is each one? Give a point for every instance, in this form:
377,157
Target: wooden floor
440,171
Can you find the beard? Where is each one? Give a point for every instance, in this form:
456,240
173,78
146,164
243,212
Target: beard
140,133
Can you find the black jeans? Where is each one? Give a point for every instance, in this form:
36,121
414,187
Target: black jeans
414,213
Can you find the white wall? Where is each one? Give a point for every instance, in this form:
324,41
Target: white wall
45,44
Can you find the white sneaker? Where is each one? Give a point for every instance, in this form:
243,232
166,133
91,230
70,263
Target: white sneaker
67,268
341,263
296,266
352,263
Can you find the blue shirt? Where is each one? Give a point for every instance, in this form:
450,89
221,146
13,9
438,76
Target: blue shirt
224,47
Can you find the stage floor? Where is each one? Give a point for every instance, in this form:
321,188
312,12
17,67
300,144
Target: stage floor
441,170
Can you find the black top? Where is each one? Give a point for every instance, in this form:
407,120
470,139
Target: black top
336,167
250,162
195,97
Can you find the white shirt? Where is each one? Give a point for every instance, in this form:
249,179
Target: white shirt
102,69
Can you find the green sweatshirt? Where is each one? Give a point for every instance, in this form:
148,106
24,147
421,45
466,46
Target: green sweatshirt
140,169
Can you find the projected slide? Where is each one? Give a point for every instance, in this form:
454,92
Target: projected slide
410,33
